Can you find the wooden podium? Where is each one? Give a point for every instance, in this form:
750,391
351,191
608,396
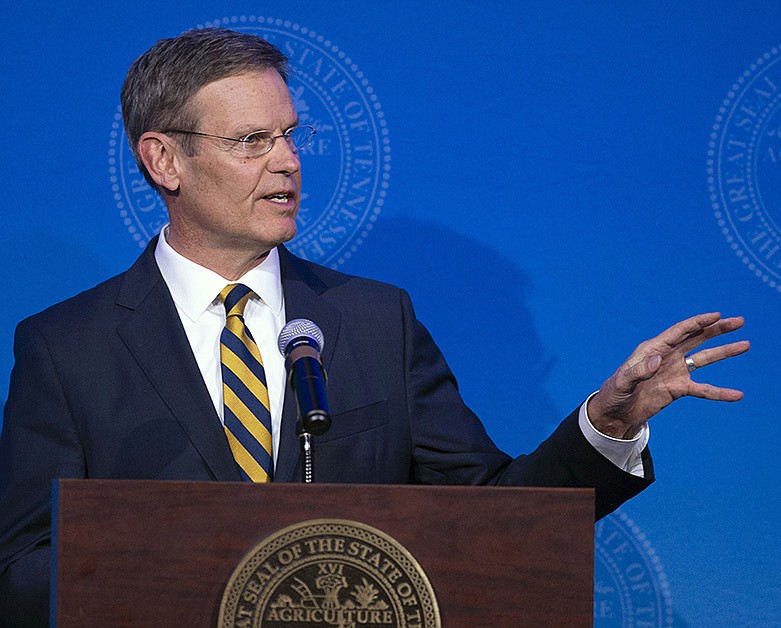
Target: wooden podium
142,553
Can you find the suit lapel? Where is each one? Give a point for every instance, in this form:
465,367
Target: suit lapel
154,334
302,290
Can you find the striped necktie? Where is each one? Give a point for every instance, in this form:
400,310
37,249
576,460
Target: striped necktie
245,396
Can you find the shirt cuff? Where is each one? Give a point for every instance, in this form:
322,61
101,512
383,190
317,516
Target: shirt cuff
625,454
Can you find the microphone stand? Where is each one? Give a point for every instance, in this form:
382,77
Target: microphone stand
314,424
307,456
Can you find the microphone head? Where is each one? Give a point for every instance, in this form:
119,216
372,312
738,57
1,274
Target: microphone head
300,328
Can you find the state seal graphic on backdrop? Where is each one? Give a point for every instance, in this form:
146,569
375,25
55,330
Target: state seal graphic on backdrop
329,572
630,586
346,171
744,162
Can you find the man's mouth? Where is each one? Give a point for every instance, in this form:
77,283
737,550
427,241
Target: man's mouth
279,197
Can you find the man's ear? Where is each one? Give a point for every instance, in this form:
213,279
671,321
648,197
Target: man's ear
160,158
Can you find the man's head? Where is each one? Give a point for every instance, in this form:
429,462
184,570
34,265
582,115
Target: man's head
214,130
160,85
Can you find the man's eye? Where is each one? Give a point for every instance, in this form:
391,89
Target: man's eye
256,138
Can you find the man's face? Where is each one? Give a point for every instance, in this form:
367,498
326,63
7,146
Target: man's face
229,205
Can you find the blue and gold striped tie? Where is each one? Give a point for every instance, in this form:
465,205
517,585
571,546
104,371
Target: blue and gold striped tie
245,396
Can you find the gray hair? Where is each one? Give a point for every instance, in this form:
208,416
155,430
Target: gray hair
160,84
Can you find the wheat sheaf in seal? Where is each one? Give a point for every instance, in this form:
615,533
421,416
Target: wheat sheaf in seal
346,171
329,572
744,164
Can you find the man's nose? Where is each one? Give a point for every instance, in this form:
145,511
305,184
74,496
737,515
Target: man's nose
283,157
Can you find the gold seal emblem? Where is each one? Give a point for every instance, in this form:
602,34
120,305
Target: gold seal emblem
329,572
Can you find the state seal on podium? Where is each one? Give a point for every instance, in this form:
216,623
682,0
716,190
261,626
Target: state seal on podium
329,572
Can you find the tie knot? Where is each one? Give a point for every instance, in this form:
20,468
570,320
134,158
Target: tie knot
234,297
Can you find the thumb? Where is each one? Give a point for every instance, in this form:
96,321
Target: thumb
640,371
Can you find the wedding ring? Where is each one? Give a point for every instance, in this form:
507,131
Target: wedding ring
689,363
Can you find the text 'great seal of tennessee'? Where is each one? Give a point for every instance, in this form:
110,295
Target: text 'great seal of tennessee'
329,572
744,160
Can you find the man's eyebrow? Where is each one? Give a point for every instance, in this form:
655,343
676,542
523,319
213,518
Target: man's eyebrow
246,129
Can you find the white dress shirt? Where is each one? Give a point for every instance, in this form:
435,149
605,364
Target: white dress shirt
194,290
625,454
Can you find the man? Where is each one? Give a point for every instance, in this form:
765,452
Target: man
129,379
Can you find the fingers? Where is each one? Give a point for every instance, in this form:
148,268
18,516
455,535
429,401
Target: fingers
656,374
689,334
691,327
633,372
716,354
721,326
714,393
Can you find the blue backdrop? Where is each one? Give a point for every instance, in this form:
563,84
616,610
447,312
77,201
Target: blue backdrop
614,166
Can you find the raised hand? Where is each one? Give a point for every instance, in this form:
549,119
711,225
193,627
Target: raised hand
659,371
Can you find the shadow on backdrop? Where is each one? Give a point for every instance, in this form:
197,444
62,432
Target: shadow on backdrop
473,301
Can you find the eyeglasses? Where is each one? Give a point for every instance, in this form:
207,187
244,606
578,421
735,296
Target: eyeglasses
259,143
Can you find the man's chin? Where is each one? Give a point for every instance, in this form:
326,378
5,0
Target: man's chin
289,235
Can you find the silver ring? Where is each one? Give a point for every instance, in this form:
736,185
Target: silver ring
689,363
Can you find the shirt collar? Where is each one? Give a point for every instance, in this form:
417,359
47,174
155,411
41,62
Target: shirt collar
194,287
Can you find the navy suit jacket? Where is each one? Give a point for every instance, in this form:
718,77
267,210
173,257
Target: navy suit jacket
105,385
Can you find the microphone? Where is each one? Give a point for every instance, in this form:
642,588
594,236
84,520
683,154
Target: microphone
301,342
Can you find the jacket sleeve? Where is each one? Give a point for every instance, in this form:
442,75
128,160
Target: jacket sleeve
451,445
